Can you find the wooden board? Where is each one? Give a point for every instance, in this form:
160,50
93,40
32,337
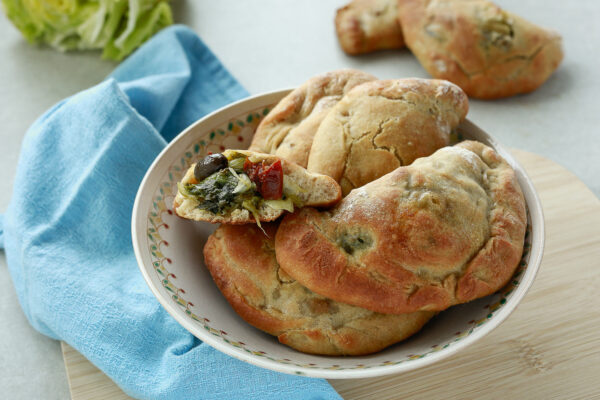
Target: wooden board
549,348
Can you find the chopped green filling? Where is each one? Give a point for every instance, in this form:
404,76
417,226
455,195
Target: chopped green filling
498,32
352,242
231,188
217,192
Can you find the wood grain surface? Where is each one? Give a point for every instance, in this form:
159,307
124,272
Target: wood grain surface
549,348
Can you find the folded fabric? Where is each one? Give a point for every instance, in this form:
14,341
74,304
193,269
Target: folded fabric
67,228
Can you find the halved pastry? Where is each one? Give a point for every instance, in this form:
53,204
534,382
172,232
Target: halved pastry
242,186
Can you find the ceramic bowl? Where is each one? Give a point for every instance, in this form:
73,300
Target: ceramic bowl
169,254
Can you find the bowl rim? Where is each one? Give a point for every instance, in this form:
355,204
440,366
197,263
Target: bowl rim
536,253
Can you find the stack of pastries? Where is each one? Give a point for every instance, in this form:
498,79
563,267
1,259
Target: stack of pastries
487,51
400,224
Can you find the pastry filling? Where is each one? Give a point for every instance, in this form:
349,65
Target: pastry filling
231,180
352,242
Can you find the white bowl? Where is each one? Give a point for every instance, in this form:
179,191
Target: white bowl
169,253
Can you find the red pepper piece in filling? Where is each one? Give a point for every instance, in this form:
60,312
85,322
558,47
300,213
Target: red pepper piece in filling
253,171
268,178
272,181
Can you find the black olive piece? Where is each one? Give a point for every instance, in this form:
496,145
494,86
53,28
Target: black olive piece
209,165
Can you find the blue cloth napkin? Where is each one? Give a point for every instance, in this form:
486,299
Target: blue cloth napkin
67,228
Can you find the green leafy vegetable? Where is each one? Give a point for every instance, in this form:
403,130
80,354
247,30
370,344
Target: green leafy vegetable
216,191
244,183
283,204
117,26
292,191
237,163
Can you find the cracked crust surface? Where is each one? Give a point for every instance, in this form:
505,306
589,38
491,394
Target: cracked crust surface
364,26
382,125
445,230
316,190
242,261
488,52
288,130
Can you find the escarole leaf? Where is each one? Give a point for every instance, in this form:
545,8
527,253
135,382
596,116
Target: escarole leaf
184,191
293,191
139,28
237,163
117,26
249,205
287,204
244,183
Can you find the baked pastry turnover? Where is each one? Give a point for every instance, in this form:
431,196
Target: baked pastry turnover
382,125
445,230
288,130
242,262
364,26
488,52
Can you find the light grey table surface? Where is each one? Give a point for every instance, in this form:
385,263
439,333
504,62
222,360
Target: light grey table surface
273,44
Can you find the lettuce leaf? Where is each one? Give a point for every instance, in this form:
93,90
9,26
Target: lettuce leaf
116,26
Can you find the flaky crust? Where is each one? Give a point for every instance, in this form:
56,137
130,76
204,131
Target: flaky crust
445,230
381,125
242,261
317,191
364,26
488,52
288,130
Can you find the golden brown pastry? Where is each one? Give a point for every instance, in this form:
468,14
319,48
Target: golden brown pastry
445,230
488,52
242,262
381,125
242,186
364,26
288,130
